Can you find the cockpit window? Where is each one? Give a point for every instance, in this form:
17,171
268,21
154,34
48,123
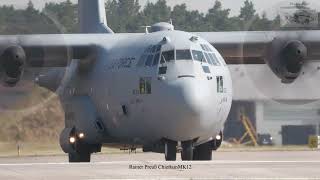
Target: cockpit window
183,54
206,47
198,56
167,56
156,59
150,57
149,60
154,48
214,59
149,49
142,60
208,58
158,48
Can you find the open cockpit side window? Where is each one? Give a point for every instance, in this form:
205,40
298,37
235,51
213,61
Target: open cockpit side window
167,56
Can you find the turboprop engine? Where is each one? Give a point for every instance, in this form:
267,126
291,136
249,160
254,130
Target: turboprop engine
286,58
12,63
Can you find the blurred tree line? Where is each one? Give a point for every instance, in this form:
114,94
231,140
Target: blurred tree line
129,16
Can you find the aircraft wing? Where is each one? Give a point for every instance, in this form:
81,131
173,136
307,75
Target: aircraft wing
285,52
49,50
19,52
251,47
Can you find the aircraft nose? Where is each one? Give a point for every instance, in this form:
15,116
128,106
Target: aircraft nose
190,105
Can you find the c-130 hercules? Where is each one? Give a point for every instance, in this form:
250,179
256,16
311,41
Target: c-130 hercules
161,90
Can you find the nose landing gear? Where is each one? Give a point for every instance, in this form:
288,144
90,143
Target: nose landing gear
170,148
187,151
74,144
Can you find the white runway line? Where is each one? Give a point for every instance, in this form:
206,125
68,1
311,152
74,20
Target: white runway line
161,162
219,178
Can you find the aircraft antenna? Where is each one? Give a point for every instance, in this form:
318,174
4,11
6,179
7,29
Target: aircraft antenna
171,22
146,29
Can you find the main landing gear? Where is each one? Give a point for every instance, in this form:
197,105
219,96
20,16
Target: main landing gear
189,152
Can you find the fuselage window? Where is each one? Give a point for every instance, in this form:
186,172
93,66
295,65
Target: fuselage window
156,59
167,56
163,70
183,55
198,56
206,69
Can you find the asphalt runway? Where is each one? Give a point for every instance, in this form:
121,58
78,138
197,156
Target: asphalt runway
286,165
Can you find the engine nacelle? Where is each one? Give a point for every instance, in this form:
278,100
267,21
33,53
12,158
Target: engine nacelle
12,62
286,58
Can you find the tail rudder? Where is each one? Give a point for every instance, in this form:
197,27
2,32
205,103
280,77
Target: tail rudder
92,17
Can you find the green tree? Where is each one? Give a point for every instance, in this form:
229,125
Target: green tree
64,16
123,15
247,12
187,20
5,13
261,24
217,18
156,12
127,16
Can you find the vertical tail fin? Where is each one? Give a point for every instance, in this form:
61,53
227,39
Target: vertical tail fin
92,17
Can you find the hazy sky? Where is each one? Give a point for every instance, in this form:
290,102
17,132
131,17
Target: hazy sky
269,6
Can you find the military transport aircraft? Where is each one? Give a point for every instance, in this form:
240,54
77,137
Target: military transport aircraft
160,90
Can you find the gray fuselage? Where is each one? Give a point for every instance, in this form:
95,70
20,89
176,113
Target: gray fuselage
146,87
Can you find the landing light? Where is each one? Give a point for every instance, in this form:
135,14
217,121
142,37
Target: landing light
218,137
81,135
72,140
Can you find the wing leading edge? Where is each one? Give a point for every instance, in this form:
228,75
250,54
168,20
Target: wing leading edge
285,52
51,50
252,47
